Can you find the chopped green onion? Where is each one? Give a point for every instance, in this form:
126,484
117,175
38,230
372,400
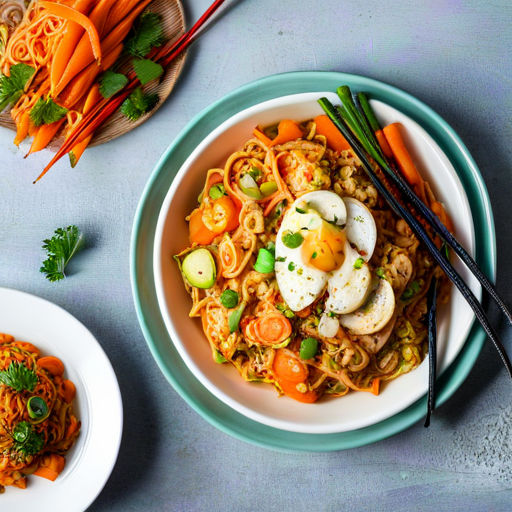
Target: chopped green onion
381,273
234,318
281,259
308,348
358,263
218,357
37,408
229,299
408,293
250,187
300,210
288,313
292,240
271,246
267,188
217,191
314,255
265,262
255,173
291,266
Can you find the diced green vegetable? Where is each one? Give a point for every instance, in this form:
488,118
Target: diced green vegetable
288,313
267,188
217,191
381,273
249,187
199,268
229,299
291,266
358,263
234,318
416,286
265,262
292,240
308,348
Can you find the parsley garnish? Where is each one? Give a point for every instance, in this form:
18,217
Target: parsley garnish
138,103
61,248
28,441
147,33
18,377
12,87
292,240
147,70
111,82
46,112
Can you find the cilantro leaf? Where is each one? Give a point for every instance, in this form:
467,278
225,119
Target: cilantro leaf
12,87
46,112
27,440
292,240
138,103
147,33
60,249
147,70
111,82
18,377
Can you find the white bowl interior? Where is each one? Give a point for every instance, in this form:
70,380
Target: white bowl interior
260,402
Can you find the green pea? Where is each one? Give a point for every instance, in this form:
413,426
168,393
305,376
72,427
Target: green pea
308,348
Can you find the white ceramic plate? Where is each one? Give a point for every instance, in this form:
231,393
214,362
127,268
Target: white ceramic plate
260,402
97,405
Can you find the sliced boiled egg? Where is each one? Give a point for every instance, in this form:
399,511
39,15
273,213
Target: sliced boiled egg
361,228
374,314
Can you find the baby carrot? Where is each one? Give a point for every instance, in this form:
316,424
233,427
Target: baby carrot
44,135
118,12
22,128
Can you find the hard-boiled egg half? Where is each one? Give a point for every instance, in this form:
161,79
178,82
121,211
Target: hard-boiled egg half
326,241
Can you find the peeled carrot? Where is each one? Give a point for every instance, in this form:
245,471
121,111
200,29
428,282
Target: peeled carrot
22,128
286,131
118,12
404,160
68,43
44,136
383,143
335,140
92,99
83,55
82,82
258,133
70,14
51,363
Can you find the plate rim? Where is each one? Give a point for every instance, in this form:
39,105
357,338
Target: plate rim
314,81
117,391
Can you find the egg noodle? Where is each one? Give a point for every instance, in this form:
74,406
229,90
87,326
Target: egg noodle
37,423
266,343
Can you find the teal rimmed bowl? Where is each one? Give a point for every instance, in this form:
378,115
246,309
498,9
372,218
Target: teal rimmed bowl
215,411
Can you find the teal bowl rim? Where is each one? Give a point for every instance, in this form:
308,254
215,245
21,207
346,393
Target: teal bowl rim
141,273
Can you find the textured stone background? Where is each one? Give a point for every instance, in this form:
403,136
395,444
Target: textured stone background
454,55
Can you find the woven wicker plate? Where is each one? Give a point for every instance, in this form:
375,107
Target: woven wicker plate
174,25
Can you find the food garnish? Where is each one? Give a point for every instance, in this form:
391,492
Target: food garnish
111,83
13,86
199,268
18,377
138,104
60,249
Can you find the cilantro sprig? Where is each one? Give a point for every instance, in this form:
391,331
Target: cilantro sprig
138,103
18,377
147,33
60,249
12,87
46,112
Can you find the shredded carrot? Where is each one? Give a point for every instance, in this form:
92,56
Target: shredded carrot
52,364
404,160
70,14
335,140
287,130
258,133
383,143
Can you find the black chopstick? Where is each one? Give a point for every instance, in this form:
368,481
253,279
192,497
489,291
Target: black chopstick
418,230
432,348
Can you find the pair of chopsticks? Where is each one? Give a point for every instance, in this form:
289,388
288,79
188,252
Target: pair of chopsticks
351,121
106,108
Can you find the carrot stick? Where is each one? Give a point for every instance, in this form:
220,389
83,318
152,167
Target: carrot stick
286,131
83,55
258,133
70,14
118,12
82,82
335,140
404,160
68,43
44,135
375,386
383,143
22,128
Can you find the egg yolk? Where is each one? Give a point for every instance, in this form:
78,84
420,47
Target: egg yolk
323,248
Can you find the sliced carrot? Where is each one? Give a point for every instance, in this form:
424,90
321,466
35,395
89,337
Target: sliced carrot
51,466
47,473
44,136
287,131
258,133
404,160
68,43
72,428
22,128
272,329
83,55
93,98
67,391
383,143
70,14
198,232
290,389
335,140
375,386
81,84
51,363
